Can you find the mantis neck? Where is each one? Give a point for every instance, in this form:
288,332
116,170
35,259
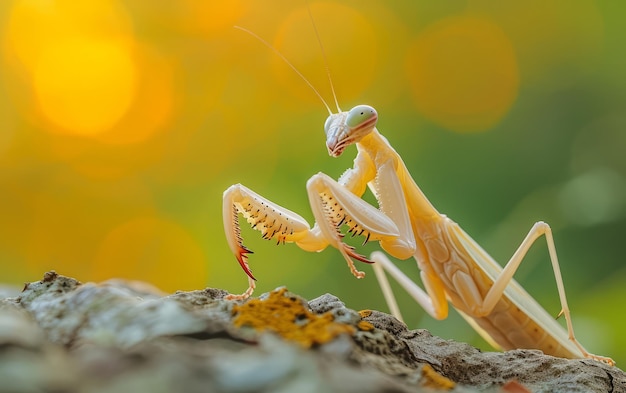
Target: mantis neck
378,147
380,151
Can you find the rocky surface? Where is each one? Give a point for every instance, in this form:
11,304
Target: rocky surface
59,335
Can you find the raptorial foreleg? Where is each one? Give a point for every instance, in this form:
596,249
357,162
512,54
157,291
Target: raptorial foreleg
272,220
335,206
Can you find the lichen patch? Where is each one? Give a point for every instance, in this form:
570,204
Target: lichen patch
288,317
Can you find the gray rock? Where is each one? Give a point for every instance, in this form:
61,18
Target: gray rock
61,335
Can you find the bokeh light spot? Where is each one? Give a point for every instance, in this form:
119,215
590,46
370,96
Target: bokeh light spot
84,86
154,250
35,25
463,73
154,103
595,197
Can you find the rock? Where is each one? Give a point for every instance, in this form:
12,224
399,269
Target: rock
62,335
467,365
9,291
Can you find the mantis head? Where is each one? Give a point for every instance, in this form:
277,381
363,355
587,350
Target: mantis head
346,128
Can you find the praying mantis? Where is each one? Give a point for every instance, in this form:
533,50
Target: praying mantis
454,269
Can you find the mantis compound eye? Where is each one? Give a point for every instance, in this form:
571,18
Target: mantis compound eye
362,116
328,123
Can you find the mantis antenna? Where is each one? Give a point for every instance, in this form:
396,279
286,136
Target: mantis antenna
290,65
319,41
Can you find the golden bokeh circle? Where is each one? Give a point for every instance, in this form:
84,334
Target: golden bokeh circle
463,73
152,249
85,86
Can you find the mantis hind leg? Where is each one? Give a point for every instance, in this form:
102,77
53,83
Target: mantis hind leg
502,281
505,278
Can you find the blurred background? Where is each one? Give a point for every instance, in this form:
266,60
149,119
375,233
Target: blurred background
122,122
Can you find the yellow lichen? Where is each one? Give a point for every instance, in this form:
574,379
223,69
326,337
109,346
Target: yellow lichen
365,326
432,379
288,317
